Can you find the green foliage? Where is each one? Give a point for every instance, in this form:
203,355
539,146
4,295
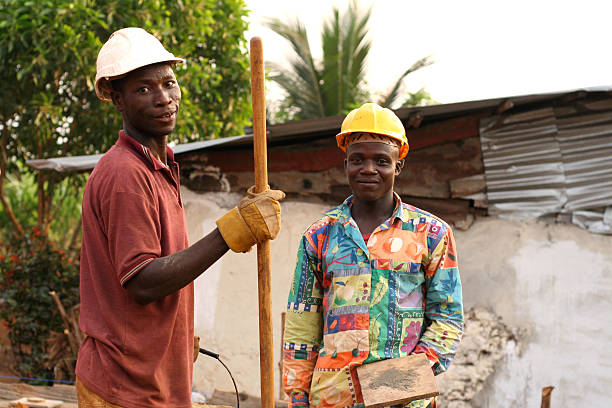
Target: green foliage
21,192
30,267
215,78
48,108
337,83
48,51
419,98
329,88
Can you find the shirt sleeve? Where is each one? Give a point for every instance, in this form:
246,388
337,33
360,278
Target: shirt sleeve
132,228
303,326
443,306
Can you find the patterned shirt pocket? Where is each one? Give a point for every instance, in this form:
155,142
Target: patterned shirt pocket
407,279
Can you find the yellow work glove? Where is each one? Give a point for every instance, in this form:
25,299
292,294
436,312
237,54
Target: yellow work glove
256,219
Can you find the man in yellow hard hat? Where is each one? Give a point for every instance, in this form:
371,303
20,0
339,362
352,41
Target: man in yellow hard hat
375,278
137,270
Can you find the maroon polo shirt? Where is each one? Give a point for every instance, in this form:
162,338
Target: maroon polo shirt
134,355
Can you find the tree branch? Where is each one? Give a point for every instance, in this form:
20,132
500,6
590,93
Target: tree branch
5,204
75,235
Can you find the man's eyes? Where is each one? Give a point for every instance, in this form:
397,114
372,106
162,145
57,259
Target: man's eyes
145,89
379,162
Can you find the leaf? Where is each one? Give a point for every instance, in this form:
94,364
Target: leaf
374,337
336,83
382,286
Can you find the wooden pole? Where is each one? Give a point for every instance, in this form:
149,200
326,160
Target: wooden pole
266,344
546,392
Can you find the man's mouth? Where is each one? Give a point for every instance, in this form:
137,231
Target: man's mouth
167,116
367,183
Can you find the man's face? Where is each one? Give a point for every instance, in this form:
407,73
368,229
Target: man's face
148,98
371,169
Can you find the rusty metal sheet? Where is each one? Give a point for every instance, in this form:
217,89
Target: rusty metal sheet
551,160
585,141
522,160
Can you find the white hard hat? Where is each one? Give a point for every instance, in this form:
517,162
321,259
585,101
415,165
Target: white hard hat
126,50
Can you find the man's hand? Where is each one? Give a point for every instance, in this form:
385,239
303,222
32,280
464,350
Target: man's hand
256,219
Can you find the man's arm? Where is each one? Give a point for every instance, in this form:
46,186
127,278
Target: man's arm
168,274
255,219
443,306
303,328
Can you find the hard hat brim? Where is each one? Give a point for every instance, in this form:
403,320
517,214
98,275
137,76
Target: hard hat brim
104,94
404,148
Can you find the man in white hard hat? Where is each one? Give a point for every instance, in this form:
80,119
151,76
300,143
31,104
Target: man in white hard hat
137,269
375,278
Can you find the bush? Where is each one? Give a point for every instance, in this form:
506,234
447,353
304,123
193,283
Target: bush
30,267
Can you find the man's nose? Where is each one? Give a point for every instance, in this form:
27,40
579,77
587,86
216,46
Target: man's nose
368,166
162,97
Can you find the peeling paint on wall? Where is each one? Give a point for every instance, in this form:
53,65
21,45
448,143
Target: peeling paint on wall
486,340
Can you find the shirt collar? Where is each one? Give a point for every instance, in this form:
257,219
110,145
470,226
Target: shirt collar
144,151
343,211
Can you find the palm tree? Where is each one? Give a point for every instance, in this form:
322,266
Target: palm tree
337,83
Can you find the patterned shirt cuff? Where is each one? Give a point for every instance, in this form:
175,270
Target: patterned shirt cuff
299,399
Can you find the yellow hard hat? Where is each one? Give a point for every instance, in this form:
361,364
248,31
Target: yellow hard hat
126,50
371,118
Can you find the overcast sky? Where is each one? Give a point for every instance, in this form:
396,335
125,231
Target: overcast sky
483,49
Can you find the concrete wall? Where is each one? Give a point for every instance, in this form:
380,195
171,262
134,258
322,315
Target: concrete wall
226,316
550,283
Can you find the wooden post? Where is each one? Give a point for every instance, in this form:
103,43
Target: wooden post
266,344
546,391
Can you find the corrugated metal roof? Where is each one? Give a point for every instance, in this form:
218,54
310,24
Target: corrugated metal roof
599,222
61,164
323,127
586,146
552,160
522,163
86,163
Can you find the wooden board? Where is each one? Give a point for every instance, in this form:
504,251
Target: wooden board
35,402
397,381
13,391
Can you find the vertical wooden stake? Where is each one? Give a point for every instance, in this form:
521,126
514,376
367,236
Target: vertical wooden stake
266,344
546,391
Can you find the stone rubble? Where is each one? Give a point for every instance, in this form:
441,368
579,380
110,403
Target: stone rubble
484,344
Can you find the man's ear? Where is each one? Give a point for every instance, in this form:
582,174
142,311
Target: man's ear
117,99
399,165
345,163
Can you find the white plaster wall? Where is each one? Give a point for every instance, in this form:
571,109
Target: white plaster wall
226,315
551,284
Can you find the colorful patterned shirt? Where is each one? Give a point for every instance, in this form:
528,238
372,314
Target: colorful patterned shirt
352,303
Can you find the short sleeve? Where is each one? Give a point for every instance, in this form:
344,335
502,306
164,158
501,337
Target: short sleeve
132,228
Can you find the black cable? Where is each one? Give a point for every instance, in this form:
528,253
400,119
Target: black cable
216,356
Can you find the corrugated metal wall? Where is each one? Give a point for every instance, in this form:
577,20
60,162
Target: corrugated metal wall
550,161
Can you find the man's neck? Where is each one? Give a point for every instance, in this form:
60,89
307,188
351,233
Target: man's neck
370,214
156,144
